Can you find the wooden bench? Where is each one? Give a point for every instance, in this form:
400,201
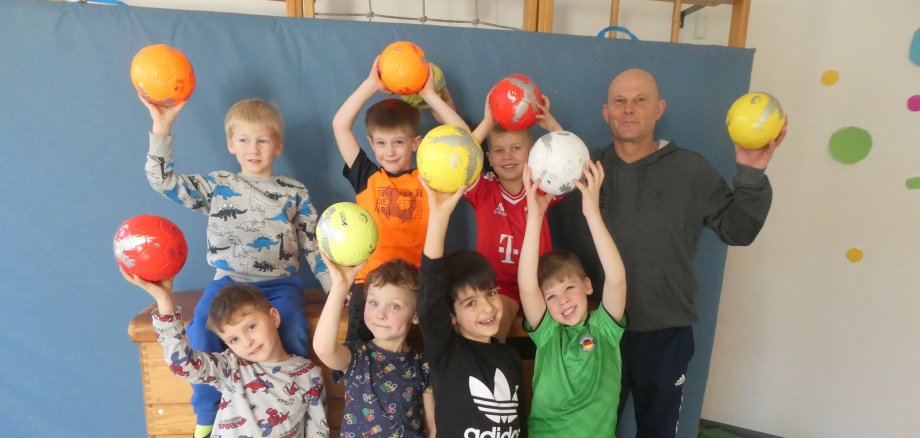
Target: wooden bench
166,397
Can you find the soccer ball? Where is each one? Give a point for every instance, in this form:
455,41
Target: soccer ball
754,119
439,84
346,233
150,247
448,158
557,158
514,101
403,68
163,75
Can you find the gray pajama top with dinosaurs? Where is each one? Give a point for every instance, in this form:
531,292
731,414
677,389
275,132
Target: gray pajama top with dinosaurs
256,226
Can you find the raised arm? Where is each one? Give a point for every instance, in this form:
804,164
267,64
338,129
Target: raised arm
545,119
163,116
194,366
191,191
442,110
614,293
440,206
325,340
161,291
433,302
531,297
737,214
488,123
345,118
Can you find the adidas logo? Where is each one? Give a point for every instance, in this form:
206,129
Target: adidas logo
681,380
500,210
499,405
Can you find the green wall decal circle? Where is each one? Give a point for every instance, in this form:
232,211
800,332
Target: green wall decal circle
850,145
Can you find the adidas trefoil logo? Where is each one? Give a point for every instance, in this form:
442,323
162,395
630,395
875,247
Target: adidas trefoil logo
500,210
500,405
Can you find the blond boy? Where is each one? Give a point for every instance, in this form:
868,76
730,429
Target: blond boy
499,201
259,224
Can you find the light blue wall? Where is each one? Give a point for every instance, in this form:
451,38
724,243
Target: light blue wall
73,138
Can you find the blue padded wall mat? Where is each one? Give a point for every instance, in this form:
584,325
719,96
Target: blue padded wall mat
75,137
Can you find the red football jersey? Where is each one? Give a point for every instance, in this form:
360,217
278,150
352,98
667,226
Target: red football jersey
501,219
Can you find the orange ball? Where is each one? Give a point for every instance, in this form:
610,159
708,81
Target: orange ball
162,75
403,68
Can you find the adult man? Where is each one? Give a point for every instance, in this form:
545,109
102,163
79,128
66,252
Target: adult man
655,201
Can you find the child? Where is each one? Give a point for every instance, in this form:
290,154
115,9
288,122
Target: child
389,189
264,390
476,379
576,385
258,224
387,388
500,203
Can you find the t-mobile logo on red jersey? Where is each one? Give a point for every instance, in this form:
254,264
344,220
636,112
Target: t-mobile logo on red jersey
506,247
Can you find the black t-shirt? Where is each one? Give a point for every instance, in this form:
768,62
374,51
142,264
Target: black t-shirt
476,385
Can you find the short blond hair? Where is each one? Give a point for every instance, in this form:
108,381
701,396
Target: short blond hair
499,130
256,112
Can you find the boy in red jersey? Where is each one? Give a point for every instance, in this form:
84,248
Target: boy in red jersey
500,202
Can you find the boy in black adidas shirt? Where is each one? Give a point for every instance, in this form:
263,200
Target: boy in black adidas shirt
476,380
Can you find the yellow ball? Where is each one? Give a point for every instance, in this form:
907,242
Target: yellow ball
347,234
755,119
448,158
439,83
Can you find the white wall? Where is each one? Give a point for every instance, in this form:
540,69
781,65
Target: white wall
808,344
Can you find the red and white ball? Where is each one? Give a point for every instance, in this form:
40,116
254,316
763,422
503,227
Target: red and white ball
514,102
150,247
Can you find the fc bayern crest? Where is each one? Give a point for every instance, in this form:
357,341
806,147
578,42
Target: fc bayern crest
587,343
